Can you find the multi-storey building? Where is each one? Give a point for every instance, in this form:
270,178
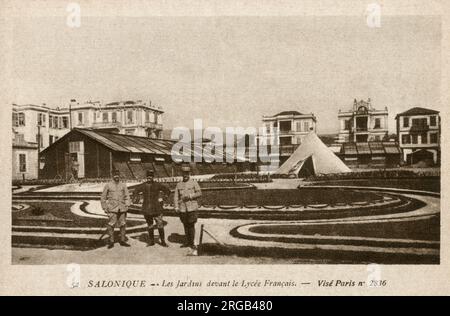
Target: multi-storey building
45,125
39,123
287,129
362,123
128,117
24,158
418,131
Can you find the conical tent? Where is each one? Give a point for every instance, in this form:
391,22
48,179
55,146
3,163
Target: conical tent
312,157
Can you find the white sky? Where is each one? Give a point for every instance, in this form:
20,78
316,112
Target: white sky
230,71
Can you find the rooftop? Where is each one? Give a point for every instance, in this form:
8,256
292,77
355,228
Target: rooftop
130,143
417,111
288,113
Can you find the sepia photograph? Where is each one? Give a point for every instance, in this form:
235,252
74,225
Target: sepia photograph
187,139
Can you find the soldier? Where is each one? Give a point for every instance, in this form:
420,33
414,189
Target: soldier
115,201
186,195
152,207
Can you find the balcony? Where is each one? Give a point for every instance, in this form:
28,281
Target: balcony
153,125
287,149
419,128
106,124
285,131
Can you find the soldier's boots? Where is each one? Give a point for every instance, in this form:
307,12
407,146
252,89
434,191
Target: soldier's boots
110,231
123,237
162,237
151,238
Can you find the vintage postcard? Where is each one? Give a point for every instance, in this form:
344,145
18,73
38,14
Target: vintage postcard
224,147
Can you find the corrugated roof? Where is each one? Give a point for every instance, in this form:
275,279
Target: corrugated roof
370,148
130,143
363,148
350,149
391,148
140,145
376,148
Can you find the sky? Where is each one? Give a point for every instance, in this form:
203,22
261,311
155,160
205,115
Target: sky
230,71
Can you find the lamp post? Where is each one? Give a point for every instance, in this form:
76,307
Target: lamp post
39,150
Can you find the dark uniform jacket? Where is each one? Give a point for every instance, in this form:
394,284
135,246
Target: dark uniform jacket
150,192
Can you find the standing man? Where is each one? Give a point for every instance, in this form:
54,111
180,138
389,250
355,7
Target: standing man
186,205
75,168
115,201
152,207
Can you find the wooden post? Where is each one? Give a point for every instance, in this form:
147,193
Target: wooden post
110,163
98,161
201,235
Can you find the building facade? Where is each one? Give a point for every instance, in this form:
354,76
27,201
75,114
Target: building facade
287,129
24,159
40,124
45,125
136,118
418,131
95,154
362,123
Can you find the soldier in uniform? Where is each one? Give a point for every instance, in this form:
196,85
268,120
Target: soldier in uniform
187,192
115,201
152,207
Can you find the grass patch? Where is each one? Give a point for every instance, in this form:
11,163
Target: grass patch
56,214
303,196
426,229
432,184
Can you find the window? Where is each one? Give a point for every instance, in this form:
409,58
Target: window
135,157
306,126
50,139
419,122
74,147
15,119
433,138
40,140
21,119
406,122
130,117
424,138
22,163
41,119
285,141
65,122
299,126
114,117
347,125
406,139
56,122
377,123
50,121
56,138
105,117
415,138
377,138
80,118
432,120
147,116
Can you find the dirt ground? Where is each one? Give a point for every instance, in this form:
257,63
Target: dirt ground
139,253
